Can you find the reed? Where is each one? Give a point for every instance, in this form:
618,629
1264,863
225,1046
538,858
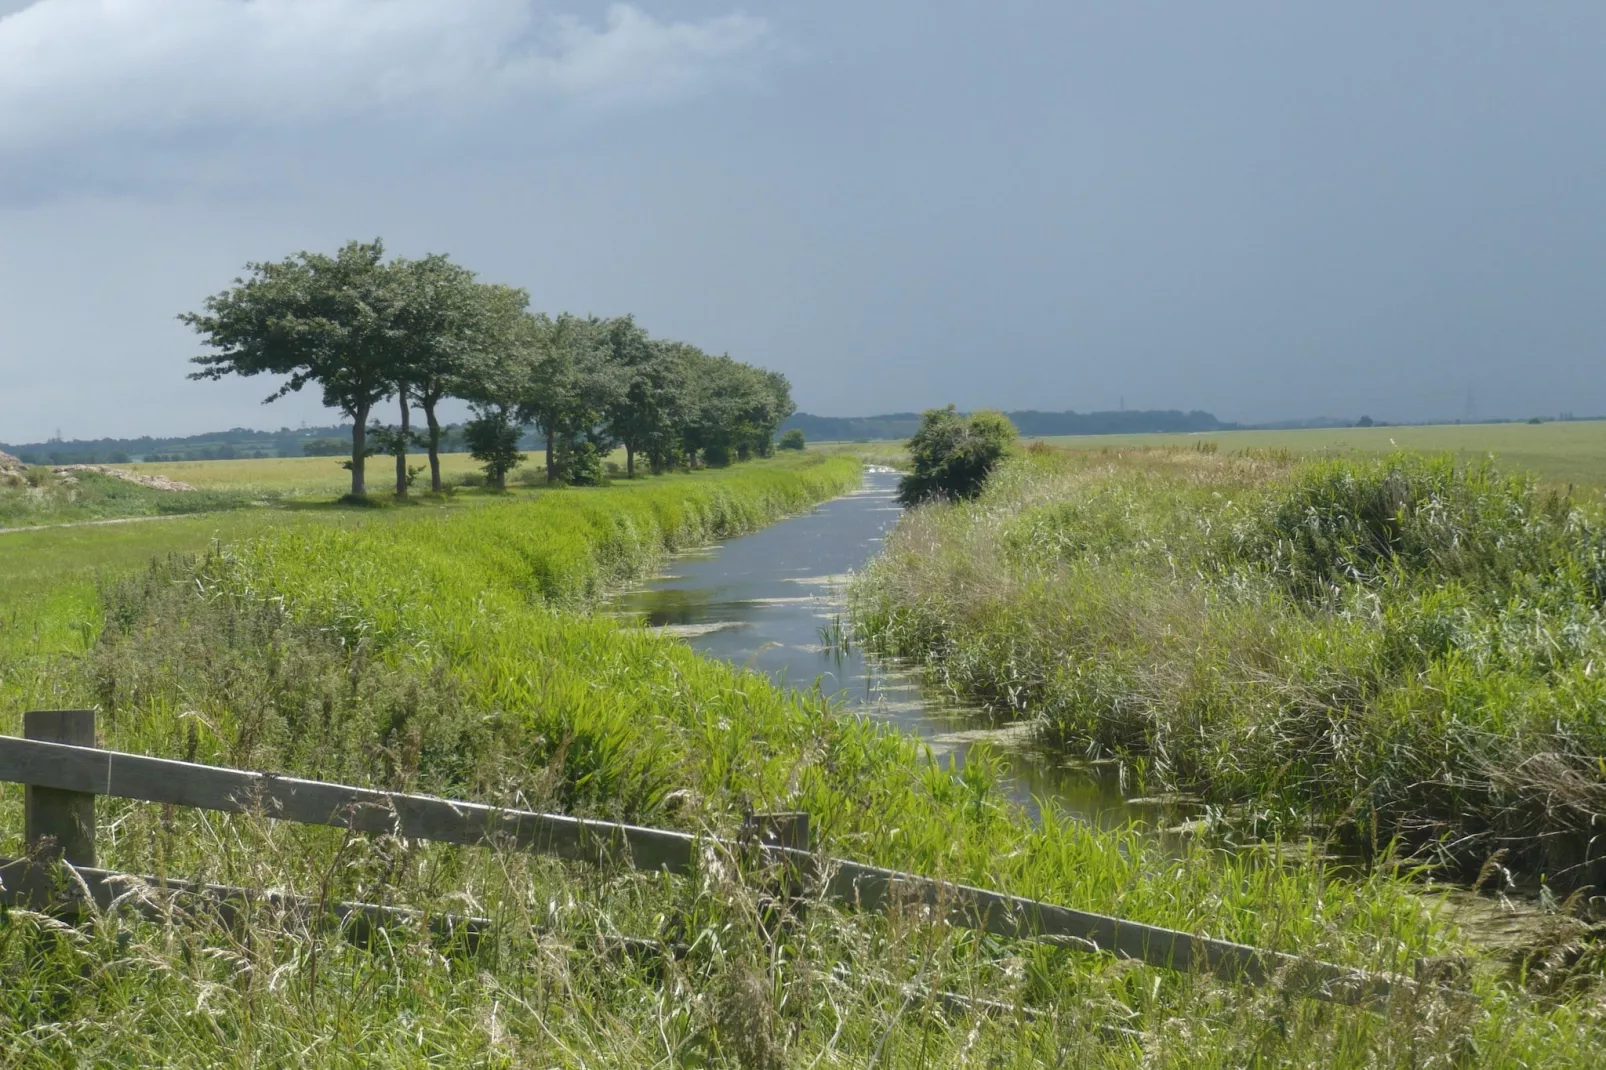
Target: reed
1401,648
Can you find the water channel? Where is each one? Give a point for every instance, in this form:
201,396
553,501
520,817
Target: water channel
771,601
762,601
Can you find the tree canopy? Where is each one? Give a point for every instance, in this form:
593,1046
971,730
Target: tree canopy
421,331
313,318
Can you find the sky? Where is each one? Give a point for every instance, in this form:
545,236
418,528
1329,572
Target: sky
1265,210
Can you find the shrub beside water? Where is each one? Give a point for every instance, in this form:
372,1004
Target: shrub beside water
1403,647
951,455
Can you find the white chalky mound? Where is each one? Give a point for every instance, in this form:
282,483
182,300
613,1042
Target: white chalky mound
153,482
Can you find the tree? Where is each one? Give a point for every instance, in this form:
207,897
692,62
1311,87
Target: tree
317,447
443,317
952,455
316,319
668,444
494,378
648,401
1364,421
570,384
733,408
775,405
395,441
791,439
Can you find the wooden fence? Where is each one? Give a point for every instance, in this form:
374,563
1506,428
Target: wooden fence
64,771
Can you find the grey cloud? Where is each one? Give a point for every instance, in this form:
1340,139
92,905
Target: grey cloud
75,70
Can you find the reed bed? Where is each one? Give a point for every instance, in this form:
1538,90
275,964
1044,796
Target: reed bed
1398,649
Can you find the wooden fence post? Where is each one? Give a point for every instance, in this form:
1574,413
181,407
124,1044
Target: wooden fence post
788,830
66,817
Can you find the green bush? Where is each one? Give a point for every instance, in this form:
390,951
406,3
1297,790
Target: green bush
792,439
493,440
577,461
952,455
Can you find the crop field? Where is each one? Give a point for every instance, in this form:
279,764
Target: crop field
315,477
300,476
450,649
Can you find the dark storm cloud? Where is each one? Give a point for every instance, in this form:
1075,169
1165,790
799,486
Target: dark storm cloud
1259,209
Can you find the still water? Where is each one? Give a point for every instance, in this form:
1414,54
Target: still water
774,601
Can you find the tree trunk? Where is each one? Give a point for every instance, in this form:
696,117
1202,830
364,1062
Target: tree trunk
551,462
359,451
630,462
434,444
401,445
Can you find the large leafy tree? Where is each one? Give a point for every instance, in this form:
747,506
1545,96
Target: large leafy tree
648,402
495,375
316,319
570,386
734,409
445,318
769,406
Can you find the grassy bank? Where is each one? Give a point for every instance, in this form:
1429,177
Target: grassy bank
453,654
1396,648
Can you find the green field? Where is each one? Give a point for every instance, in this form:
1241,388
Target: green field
1558,454
309,476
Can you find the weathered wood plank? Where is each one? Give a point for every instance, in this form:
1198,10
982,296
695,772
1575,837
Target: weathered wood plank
128,776
873,888
65,817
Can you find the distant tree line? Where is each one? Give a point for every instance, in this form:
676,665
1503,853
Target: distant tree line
235,443
451,441
1029,422
367,331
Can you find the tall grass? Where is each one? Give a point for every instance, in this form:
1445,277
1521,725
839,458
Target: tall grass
455,655
1394,648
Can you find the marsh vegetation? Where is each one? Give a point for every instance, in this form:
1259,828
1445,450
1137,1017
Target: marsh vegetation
1403,650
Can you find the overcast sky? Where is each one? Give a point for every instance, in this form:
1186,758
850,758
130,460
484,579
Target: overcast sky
1266,210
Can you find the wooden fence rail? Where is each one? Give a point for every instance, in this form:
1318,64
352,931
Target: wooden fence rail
64,771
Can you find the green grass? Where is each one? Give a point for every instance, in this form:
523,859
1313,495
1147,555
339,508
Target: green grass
306,476
452,651
1377,649
1559,453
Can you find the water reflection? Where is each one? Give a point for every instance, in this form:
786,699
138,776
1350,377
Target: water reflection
773,601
